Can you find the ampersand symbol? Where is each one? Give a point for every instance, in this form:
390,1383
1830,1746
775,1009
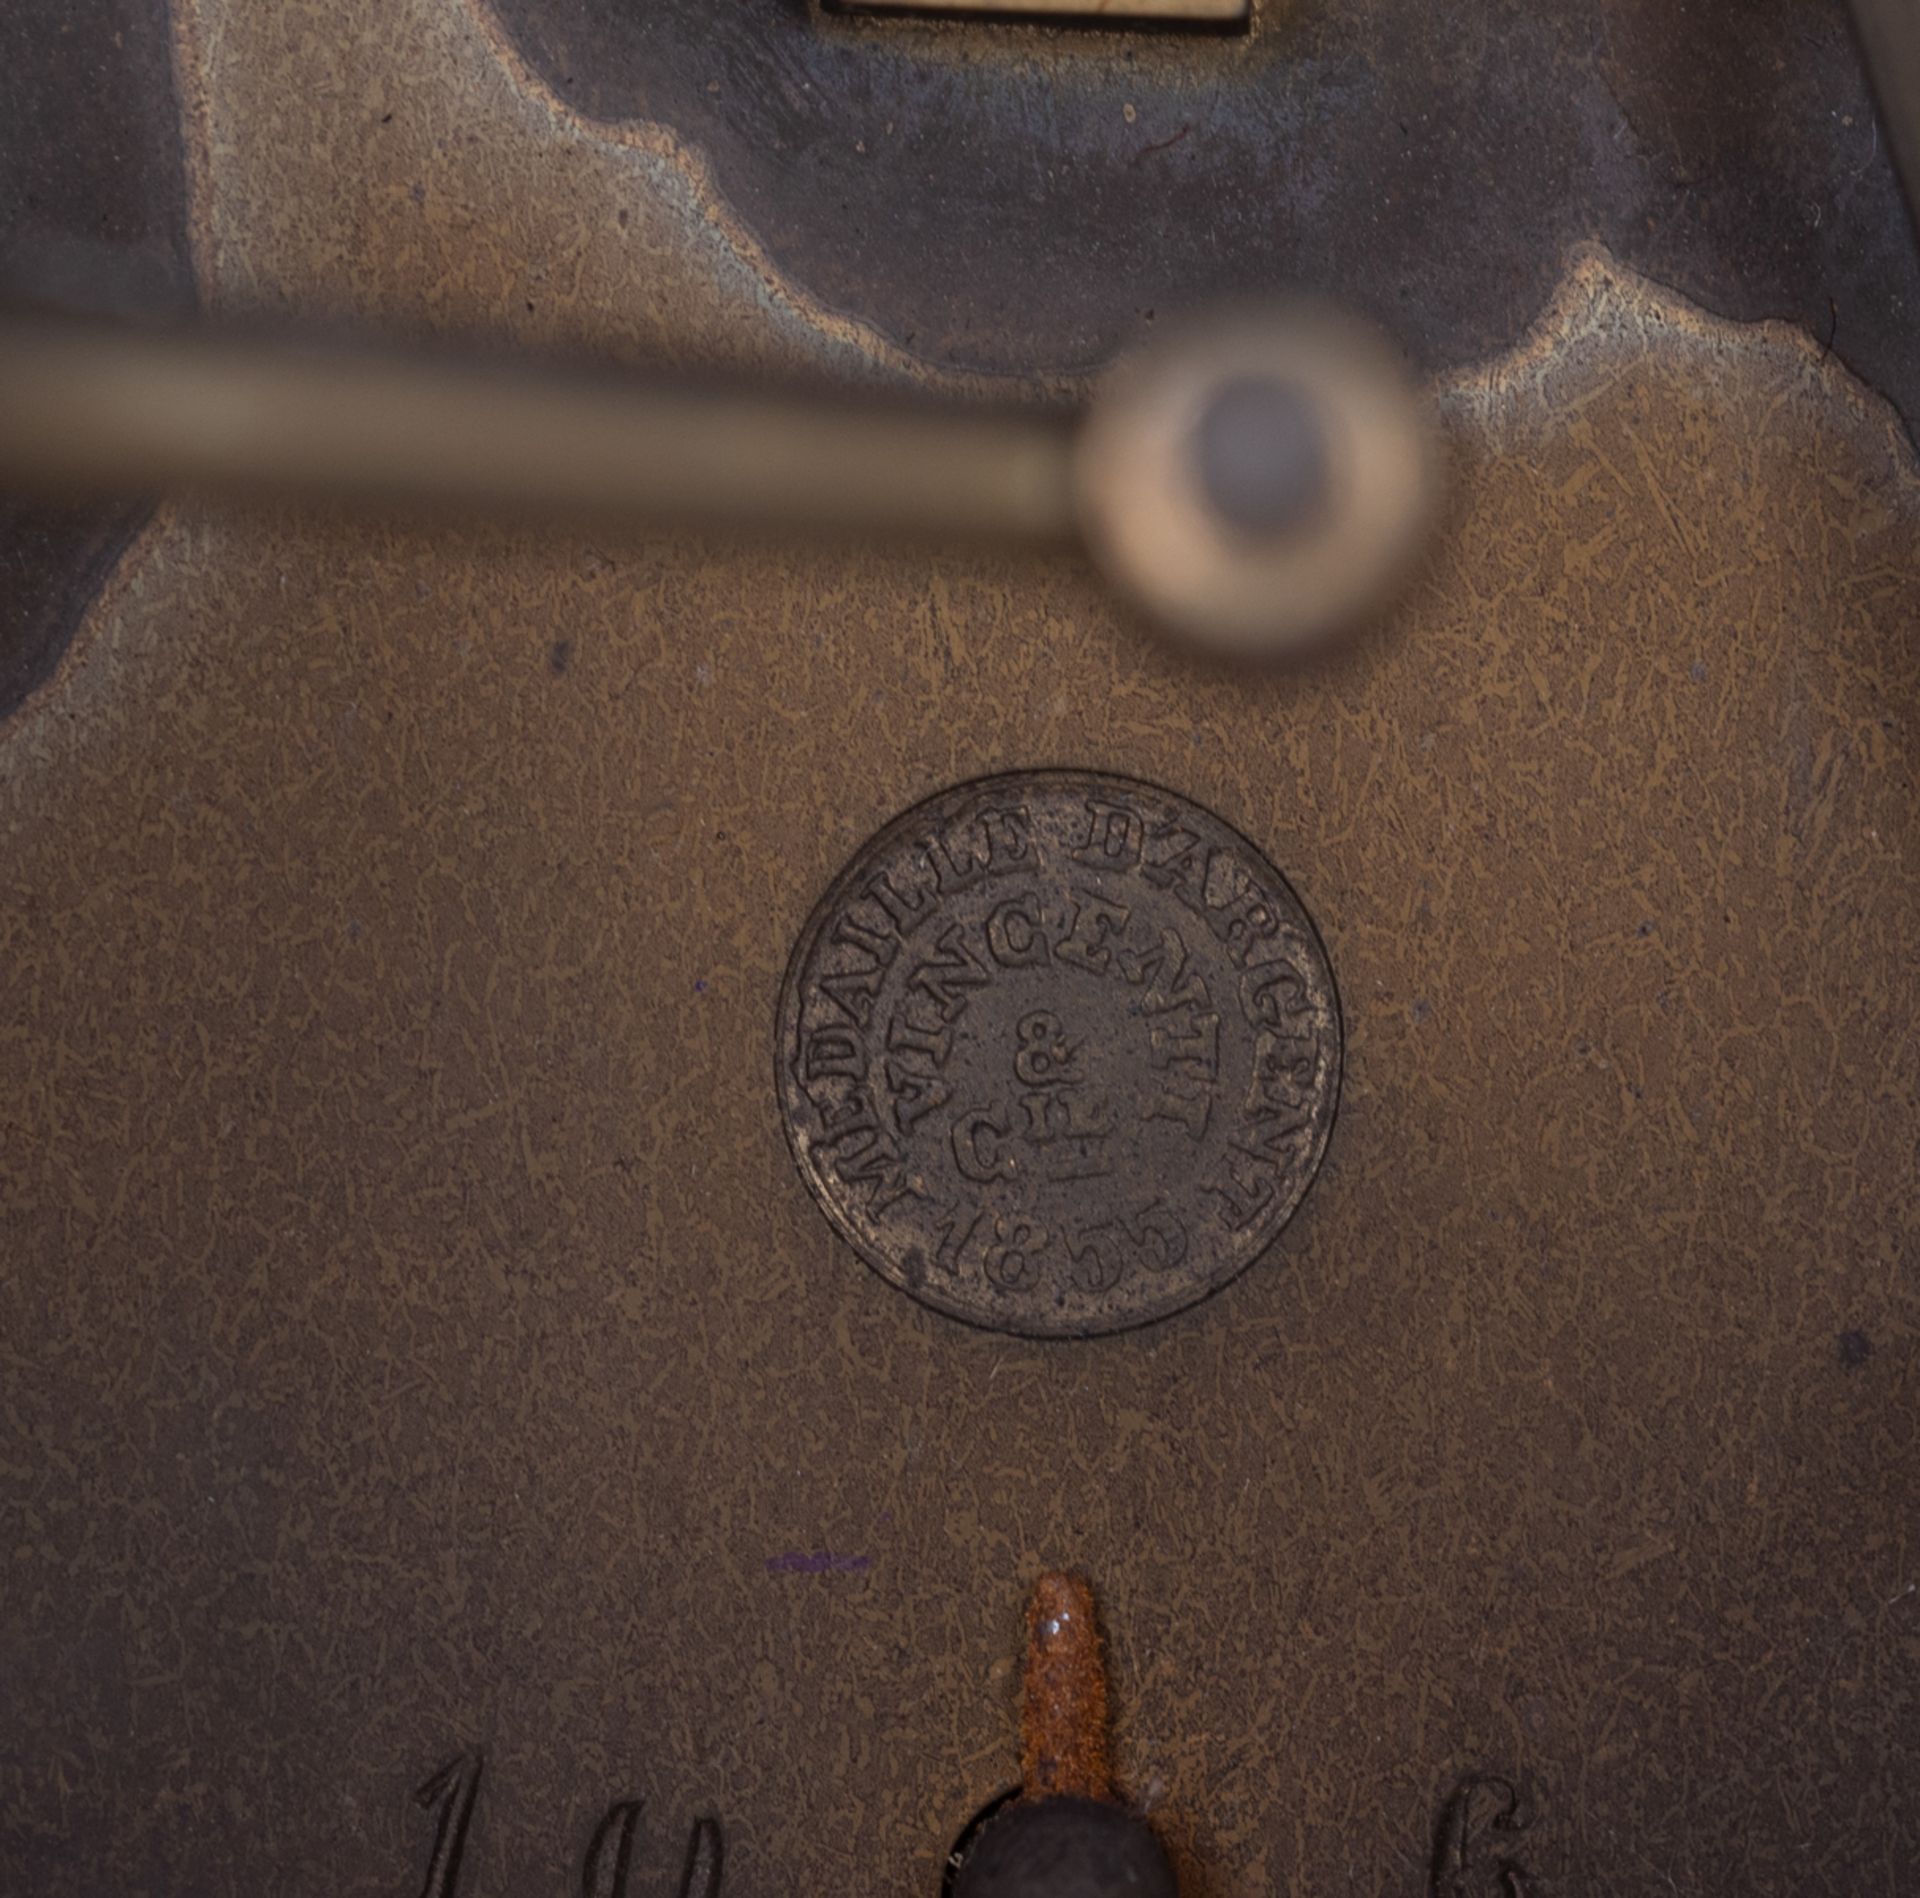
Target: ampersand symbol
1045,1056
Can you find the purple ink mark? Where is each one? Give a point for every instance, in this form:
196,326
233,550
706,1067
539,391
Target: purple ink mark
1161,145
818,1562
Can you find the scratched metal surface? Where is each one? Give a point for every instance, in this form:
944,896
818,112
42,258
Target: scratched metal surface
416,1338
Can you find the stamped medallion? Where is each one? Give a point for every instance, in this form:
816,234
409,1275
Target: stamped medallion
1059,1053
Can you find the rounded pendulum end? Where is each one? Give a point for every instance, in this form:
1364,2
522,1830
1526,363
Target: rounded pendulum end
1065,1836
1259,482
1066,1848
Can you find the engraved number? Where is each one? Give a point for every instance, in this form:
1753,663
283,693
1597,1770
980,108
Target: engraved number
1159,1238
1153,1239
609,1862
1097,1263
452,1789
1013,1259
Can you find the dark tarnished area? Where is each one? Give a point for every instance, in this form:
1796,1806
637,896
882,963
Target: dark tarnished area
1019,197
92,217
1059,1053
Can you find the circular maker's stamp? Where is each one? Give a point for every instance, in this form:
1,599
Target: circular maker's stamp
1059,1053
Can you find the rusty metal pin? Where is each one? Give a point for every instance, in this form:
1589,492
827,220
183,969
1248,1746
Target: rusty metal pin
1063,1723
1066,1835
